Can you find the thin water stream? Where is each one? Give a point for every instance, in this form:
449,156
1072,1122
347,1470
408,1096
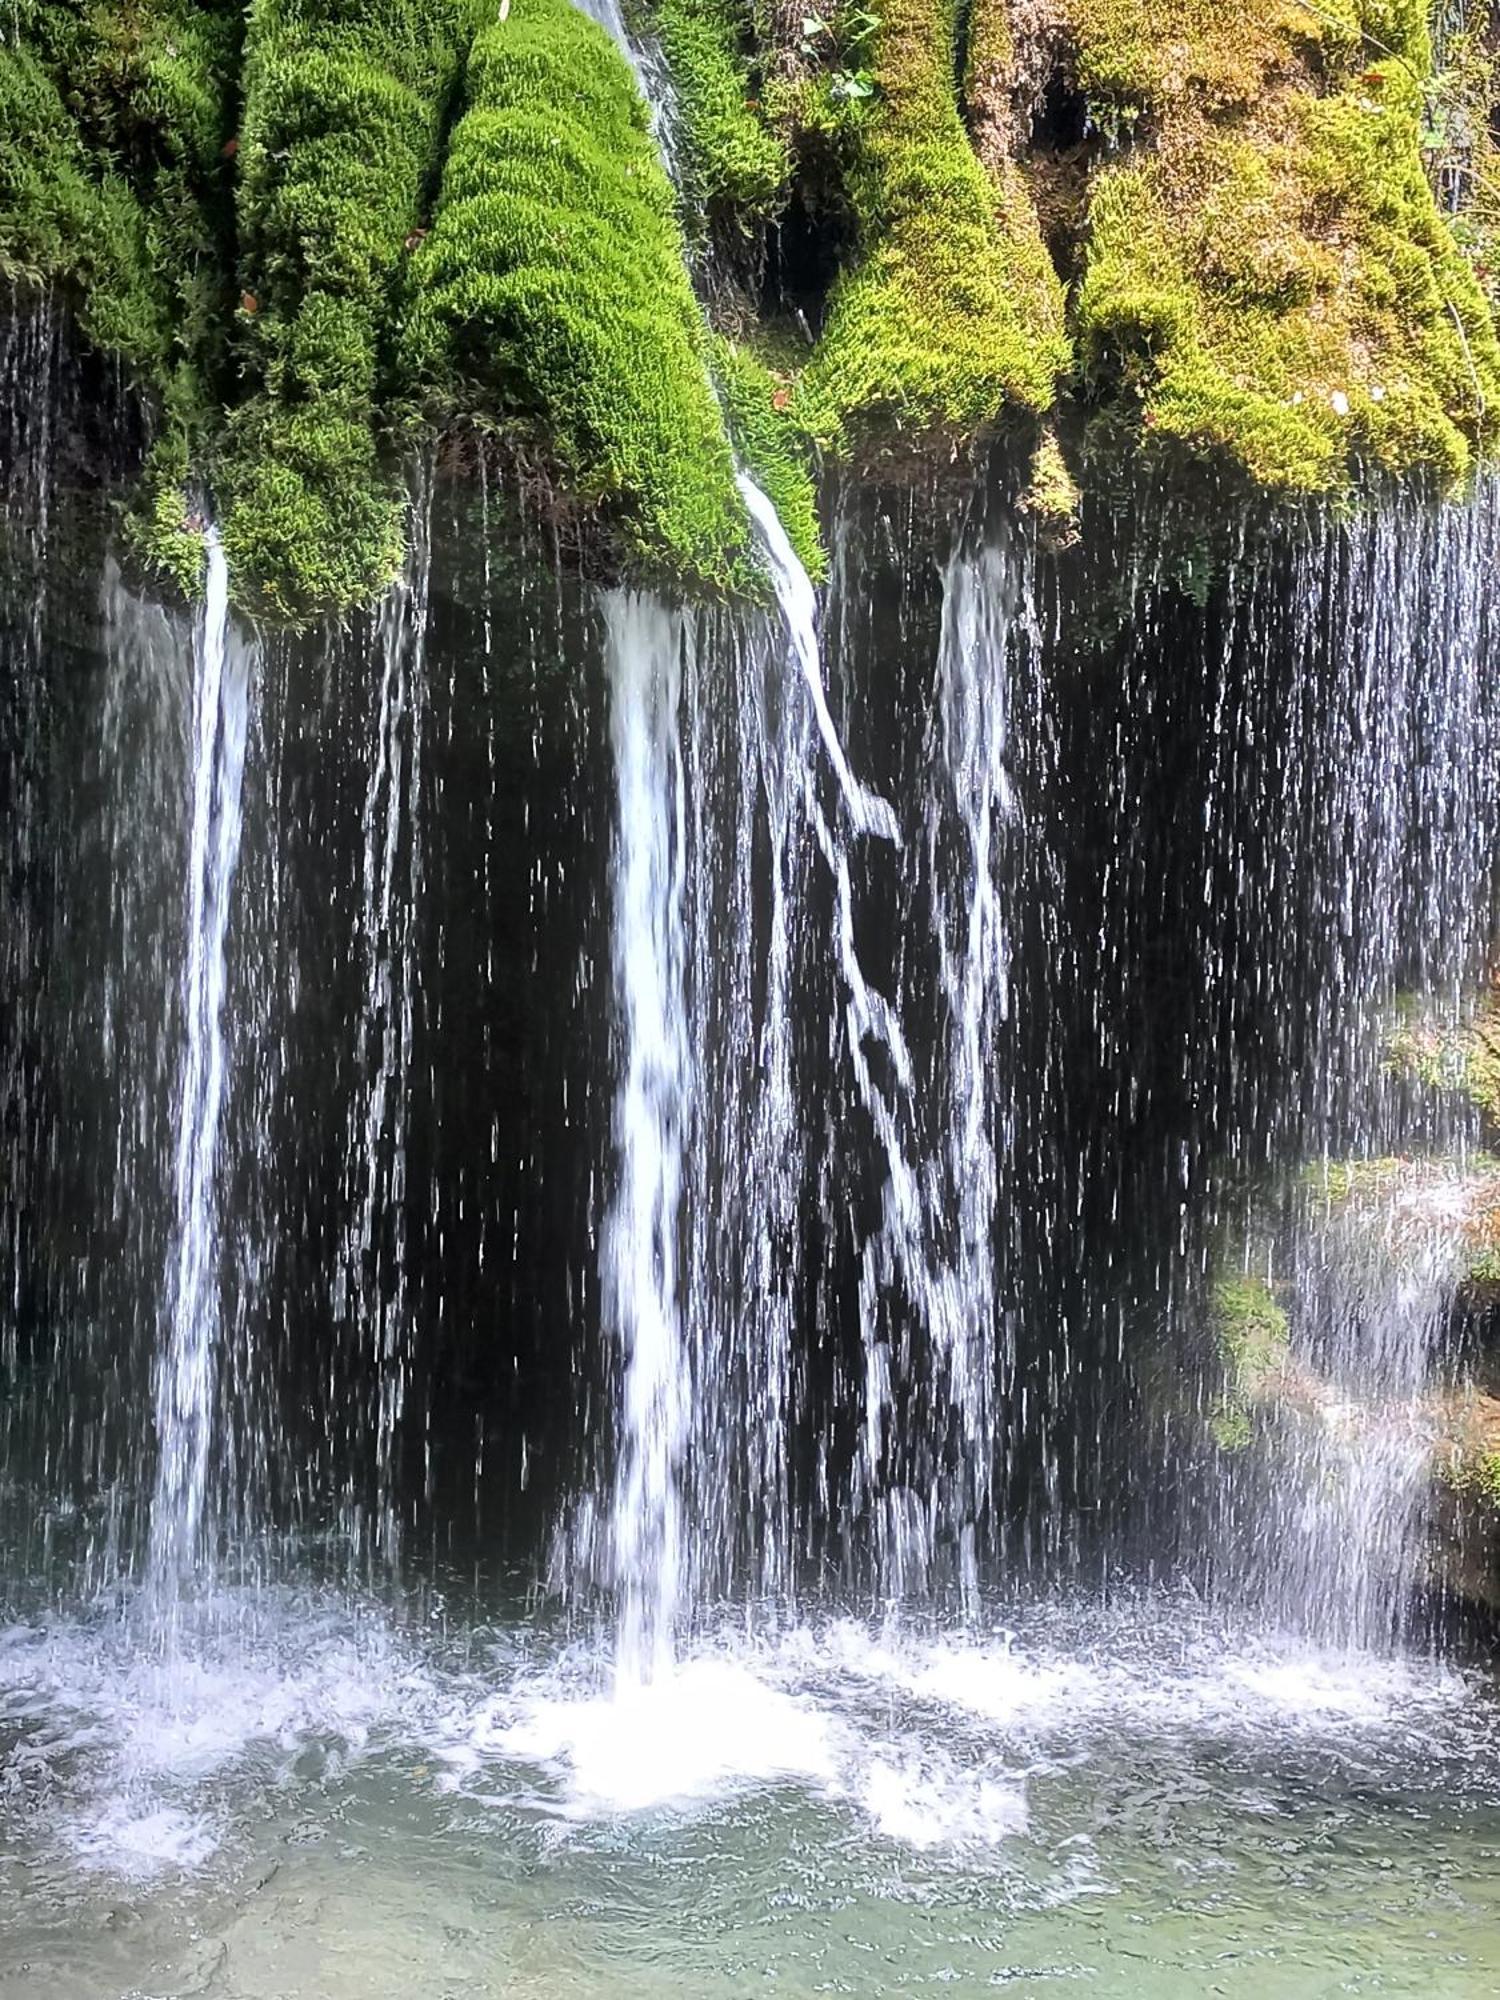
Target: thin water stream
190,1372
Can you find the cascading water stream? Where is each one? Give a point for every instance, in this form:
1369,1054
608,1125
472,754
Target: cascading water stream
187,1384
372,1280
640,1245
972,816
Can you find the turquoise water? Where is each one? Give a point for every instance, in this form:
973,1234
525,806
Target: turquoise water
1131,1801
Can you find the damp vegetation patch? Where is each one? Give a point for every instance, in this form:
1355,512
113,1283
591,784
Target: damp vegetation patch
551,296
1268,278
1251,241
343,117
950,315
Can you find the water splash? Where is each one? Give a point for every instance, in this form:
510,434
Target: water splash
186,1378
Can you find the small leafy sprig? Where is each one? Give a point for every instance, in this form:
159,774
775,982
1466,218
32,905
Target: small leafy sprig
851,84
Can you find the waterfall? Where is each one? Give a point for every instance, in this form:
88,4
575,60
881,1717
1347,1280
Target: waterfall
640,1243
798,605
1340,1538
372,1279
187,1387
971,854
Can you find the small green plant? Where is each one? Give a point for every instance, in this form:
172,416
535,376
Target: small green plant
851,83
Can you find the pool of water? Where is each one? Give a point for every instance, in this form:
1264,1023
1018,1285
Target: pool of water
310,1800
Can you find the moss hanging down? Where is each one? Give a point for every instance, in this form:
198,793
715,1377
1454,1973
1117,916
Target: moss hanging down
111,129
734,168
551,296
1268,275
952,313
114,194
344,107
769,441
69,222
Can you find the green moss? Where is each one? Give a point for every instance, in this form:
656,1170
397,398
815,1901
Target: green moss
1462,1058
1051,494
1133,59
69,220
344,107
1474,1474
1251,1337
1339,1181
552,295
1250,1331
759,408
1269,279
1230,1427
951,314
735,168
164,528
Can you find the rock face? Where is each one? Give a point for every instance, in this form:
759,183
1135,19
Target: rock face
1266,1385
318,238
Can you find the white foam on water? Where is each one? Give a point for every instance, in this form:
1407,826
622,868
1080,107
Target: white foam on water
1204,1686
121,1743
709,1728
934,1744
921,1801
137,1843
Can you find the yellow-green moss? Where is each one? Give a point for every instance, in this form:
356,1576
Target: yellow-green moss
734,167
343,112
769,441
1250,1329
951,313
1051,494
1268,275
1251,1336
1472,1473
552,295
1463,1058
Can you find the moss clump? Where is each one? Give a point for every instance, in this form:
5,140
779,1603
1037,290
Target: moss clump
735,168
1268,276
70,222
1464,1058
114,194
551,294
951,314
1250,1330
1051,496
1467,1460
1251,1336
759,407
164,528
343,114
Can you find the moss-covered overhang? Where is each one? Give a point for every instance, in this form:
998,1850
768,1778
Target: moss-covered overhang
1267,275
318,234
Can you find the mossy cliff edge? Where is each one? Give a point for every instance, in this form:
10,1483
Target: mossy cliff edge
321,236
